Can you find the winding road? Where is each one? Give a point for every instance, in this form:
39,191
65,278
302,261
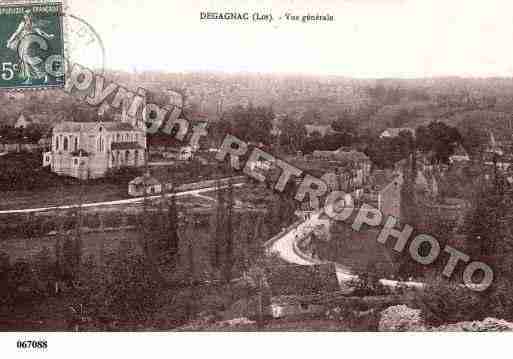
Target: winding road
285,245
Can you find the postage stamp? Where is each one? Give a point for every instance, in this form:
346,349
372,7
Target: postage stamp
31,45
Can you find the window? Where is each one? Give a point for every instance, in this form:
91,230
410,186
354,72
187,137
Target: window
65,144
117,137
47,159
76,143
56,143
76,162
127,156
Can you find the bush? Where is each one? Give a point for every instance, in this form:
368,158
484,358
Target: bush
444,302
122,175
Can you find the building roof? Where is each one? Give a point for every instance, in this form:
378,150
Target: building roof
339,155
354,156
72,126
302,280
323,154
460,151
322,129
146,179
126,146
394,131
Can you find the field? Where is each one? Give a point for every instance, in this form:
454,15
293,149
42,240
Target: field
360,251
62,195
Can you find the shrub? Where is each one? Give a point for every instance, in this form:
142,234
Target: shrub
444,302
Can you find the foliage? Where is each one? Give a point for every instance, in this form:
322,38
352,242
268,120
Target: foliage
443,302
250,124
385,152
330,142
293,135
122,174
367,283
24,171
132,289
482,222
438,138
30,134
474,139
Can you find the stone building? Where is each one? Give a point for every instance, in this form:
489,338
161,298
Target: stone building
144,184
89,149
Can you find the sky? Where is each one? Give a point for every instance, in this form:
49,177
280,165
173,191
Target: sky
367,39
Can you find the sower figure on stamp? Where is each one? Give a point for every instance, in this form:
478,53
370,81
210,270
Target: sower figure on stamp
31,68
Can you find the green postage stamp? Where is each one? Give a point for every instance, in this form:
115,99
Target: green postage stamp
31,45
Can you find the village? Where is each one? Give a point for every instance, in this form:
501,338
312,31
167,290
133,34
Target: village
291,263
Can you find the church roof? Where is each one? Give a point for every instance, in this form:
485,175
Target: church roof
72,126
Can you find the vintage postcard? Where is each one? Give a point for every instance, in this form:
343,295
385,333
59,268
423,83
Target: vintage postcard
254,166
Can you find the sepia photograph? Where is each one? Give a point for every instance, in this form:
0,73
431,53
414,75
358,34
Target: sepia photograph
247,168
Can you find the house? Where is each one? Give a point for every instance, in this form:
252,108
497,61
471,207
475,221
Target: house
90,149
459,155
352,167
45,143
394,132
260,164
427,182
493,146
297,290
185,153
323,130
23,122
385,192
136,187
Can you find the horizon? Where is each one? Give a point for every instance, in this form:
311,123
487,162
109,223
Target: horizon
312,74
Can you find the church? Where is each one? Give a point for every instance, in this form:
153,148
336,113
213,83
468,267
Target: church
88,150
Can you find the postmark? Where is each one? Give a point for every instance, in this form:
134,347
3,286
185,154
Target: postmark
31,45
82,44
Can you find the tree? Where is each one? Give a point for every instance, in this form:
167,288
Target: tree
346,123
293,135
70,260
385,152
132,289
5,269
229,246
251,124
44,268
438,138
220,220
173,241
483,221
474,139
191,268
